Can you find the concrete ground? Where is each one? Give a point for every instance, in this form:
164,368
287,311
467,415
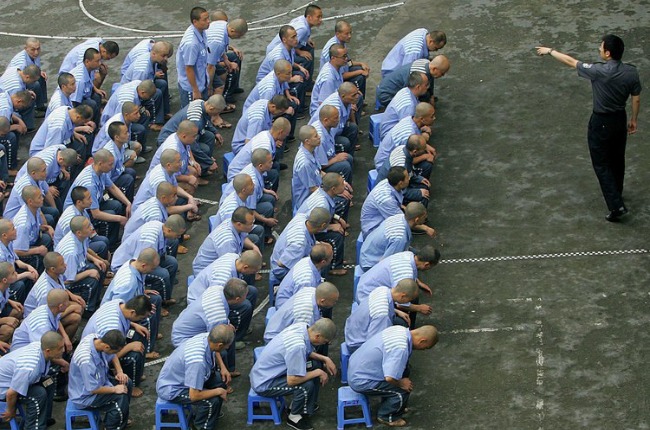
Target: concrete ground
541,303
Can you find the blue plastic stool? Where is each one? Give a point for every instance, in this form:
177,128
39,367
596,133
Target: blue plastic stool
377,102
348,397
275,403
358,271
359,245
269,314
345,360
72,412
13,423
164,408
374,130
257,352
227,159
372,180
212,223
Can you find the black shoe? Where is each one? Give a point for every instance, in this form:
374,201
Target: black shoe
61,397
283,166
146,149
616,214
238,91
50,422
286,148
302,424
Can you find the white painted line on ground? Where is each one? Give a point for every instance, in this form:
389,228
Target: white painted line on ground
156,361
483,330
329,18
207,202
539,405
119,27
544,256
257,21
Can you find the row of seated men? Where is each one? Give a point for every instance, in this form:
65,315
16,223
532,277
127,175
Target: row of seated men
137,235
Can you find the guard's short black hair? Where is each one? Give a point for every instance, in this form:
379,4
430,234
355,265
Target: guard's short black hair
78,193
90,53
614,45
111,47
114,339
196,12
395,175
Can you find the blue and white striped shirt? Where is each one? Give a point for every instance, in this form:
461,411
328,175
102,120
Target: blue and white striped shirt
268,87
294,243
193,52
411,47
306,174
189,366
32,328
224,239
218,41
383,201
75,56
374,314
398,135
96,184
256,120
125,93
299,308
22,368
391,236
402,105
327,83
56,129
127,283
201,315
279,52
303,274
74,253
150,235
149,185
150,210
38,294
217,273
261,140
388,272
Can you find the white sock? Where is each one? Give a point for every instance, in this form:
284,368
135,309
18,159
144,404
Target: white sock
295,418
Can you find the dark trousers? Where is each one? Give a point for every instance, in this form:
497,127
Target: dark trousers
116,407
393,399
359,80
36,261
37,404
10,143
305,395
205,412
607,138
162,278
110,230
89,288
337,240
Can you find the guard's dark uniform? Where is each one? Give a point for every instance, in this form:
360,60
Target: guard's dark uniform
612,83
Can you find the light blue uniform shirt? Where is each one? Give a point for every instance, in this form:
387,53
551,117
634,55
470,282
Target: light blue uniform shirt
38,294
63,225
57,129
278,52
374,314
227,206
150,235
383,201
127,283
6,106
74,254
57,100
402,106
118,155
258,183
32,328
102,137
317,199
217,273
28,227
7,253
325,53
303,31
15,201
303,274
299,308
193,51
150,210
286,354
388,272
411,47
88,372
108,317
294,243
391,236
11,82
327,83
268,87
22,368
224,239
189,366
125,93
327,148
22,60
173,142
397,136
85,82
96,184
201,315
344,112
262,140
75,56
256,120
143,46
384,355
149,185
306,174
53,169
218,41
141,69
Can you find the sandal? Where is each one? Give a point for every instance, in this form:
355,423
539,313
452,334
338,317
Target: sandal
224,124
191,217
229,108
